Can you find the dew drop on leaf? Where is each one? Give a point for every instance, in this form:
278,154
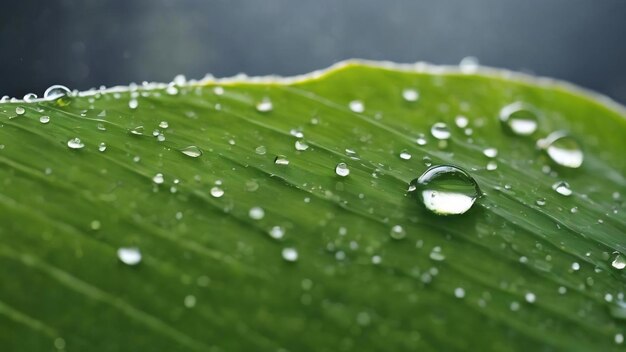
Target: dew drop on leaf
461,121
440,131
55,92
357,106
264,105
491,165
436,254
562,149
216,192
490,152
277,232
459,292
158,178
44,119
405,155
75,143
133,104
301,145
129,255
20,110
421,140
342,169
281,160
519,118
102,147
410,94
619,261
447,190
290,254
138,131
164,124
562,188
191,151
256,213
397,232
30,97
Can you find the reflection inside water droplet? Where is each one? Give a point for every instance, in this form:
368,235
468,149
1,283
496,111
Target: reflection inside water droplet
129,255
191,151
519,118
342,169
563,149
75,143
440,131
562,188
357,106
447,190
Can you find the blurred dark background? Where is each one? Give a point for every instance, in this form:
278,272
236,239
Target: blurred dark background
84,44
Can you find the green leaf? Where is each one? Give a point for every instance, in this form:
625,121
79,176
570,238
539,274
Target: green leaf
526,268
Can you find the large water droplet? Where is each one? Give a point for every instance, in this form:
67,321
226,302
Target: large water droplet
562,188
447,190
129,255
563,149
342,169
55,92
192,151
44,119
519,118
75,143
440,131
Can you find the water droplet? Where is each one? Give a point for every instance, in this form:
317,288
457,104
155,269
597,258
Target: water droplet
164,124
436,254
30,97
405,155
264,105
281,160
469,64
540,202
440,131
563,149
490,152
133,103
55,92
20,110
256,213
95,225
575,266
218,90
171,89
290,254
301,145
459,292
158,178
530,297
410,95
277,232
519,118
562,188
216,192
102,147
192,151
619,339
190,301
75,143
44,119
137,130
342,170
397,232
447,190
129,255
491,165
461,121
421,140
619,262
357,106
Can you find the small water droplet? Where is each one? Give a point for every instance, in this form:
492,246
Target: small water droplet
95,225
133,104
447,190
490,152
530,297
129,255
218,90
519,118
277,232
30,97
562,188
469,64
459,292
102,147
290,254
405,155
342,169
562,149
357,106
436,254
256,213
281,160
44,119
461,121
619,261
410,94
421,140
619,339
164,124
158,178
301,145
171,89
55,92
75,143
491,165
20,110
192,151
540,202
397,232
137,130
440,131
189,301
217,192
264,105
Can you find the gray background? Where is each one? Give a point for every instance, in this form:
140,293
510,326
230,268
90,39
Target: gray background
88,43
